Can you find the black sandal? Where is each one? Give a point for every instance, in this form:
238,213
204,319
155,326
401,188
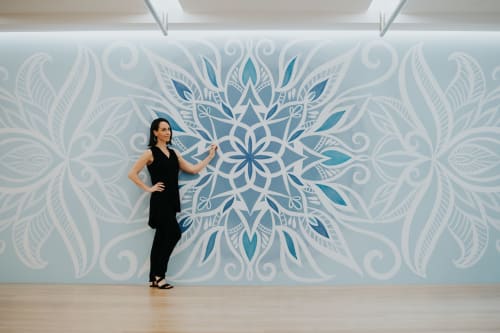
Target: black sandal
157,283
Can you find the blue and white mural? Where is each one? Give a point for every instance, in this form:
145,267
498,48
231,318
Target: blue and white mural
341,159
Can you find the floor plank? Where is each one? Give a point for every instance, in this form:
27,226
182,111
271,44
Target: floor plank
221,309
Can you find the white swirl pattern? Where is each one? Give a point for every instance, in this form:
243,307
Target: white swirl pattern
321,175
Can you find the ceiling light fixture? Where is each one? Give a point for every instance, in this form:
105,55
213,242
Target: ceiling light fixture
159,14
385,7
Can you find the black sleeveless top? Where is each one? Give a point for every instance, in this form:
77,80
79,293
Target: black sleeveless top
164,169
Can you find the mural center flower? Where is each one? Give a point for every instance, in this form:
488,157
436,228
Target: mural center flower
252,156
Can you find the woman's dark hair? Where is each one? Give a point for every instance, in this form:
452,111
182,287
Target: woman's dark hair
155,125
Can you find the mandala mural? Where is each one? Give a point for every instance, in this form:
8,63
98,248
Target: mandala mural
275,183
336,161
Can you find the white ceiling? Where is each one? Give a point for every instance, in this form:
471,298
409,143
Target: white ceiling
274,6
27,15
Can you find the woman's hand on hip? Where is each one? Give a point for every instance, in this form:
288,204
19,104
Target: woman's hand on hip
158,187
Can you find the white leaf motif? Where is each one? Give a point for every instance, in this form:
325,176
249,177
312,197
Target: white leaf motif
27,160
168,75
70,221
471,159
416,71
33,87
427,218
301,257
333,73
468,84
29,235
474,159
471,234
331,243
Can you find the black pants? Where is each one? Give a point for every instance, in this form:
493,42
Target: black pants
167,235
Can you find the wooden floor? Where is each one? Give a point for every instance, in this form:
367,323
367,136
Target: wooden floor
98,308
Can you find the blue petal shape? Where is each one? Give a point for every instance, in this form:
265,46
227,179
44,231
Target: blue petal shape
319,228
241,148
250,145
227,111
204,180
331,121
335,157
249,72
258,165
173,124
318,89
210,246
228,204
272,204
333,195
290,245
295,135
185,224
238,157
271,112
204,135
250,168
259,147
241,165
250,245
288,72
295,180
211,72
261,157
182,89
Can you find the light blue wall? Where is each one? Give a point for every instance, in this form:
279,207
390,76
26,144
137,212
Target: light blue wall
344,158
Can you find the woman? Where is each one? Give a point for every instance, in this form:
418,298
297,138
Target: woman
163,165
